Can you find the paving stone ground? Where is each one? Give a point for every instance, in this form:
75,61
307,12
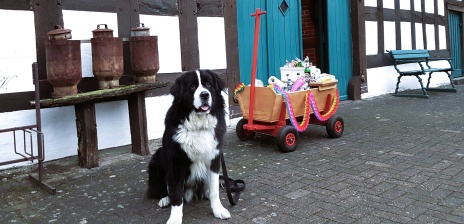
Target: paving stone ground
400,160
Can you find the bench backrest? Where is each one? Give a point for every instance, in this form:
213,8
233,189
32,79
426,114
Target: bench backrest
409,54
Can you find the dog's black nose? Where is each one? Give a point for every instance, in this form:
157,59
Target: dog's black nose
204,95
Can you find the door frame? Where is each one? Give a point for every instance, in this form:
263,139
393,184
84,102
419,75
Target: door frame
456,74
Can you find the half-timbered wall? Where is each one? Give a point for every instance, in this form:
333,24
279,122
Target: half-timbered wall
405,24
192,34
126,14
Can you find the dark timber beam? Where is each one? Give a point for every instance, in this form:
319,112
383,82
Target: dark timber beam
435,25
232,56
398,24
359,50
413,26
15,4
190,53
380,27
424,28
128,18
159,7
91,5
210,7
47,14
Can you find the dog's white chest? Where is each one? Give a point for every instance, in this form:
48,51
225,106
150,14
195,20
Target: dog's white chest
197,138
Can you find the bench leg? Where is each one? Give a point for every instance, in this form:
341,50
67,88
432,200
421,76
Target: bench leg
138,123
86,124
430,77
398,85
452,89
422,86
424,95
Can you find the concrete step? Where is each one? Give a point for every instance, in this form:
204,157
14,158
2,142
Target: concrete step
458,81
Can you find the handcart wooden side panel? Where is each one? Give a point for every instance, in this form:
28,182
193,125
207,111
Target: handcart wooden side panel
268,104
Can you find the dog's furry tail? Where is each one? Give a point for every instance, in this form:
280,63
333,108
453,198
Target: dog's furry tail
157,187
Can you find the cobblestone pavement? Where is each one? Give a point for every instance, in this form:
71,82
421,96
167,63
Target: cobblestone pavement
400,160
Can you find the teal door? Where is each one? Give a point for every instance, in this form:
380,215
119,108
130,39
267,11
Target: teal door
455,28
339,46
280,37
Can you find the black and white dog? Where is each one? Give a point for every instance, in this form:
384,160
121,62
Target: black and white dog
188,163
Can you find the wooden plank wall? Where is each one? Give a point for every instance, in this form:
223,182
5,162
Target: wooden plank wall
48,13
397,15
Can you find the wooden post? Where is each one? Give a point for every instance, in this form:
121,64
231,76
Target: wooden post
138,123
358,33
86,124
190,54
128,18
47,14
232,56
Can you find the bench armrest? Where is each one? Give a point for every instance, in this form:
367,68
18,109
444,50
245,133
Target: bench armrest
449,60
440,59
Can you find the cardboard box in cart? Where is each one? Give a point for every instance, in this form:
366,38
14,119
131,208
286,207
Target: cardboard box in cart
292,72
268,103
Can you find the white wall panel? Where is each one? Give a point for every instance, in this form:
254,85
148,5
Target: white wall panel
419,36
389,35
405,5
406,37
417,5
442,36
430,28
429,6
441,7
389,4
372,3
371,38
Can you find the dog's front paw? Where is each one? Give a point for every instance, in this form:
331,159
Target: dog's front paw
176,215
164,202
174,220
221,213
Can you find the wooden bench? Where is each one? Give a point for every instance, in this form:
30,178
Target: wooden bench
420,57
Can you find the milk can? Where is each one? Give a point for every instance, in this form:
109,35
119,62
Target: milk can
144,54
63,62
107,57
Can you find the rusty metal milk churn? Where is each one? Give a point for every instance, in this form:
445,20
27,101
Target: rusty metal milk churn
107,57
63,59
144,54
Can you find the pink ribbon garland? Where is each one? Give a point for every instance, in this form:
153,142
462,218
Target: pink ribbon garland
306,116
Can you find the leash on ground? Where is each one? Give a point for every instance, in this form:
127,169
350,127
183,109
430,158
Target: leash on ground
231,185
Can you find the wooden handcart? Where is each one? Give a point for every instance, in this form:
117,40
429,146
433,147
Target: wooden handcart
269,113
265,111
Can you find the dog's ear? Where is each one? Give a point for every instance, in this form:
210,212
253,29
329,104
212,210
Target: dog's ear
176,89
219,85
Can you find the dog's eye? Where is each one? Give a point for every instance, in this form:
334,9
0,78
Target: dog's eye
193,87
208,84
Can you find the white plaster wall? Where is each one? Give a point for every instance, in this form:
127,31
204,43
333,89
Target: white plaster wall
417,5
383,80
58,124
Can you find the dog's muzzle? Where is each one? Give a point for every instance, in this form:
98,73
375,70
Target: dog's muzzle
205,102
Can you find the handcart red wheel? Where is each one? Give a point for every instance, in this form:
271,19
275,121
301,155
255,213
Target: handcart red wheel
335,126
287,138
242,133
